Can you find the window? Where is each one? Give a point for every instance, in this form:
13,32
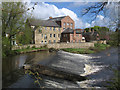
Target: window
59,29
49,41
45,28
71,25
58,35
50,35
54,28
64,35
64,24
45,37
50,28
67,24
45,42
42,35
54,35
54,41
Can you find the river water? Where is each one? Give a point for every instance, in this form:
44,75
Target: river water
97,67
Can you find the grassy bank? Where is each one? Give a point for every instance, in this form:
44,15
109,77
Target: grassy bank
97,48
28,49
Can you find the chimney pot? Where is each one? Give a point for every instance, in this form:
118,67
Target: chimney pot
50,17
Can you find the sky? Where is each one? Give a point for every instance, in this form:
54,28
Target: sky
43,10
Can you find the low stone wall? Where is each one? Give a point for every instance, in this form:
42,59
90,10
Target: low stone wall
70,45
25,46
100,41
58,45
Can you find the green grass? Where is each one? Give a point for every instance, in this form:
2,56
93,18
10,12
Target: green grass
98,47
78,50
28,49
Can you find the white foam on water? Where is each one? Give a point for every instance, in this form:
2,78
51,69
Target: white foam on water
88,83
58,85
89,69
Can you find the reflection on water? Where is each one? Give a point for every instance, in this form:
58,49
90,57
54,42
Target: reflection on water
12,66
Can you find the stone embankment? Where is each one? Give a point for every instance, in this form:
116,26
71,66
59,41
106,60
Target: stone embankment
58,45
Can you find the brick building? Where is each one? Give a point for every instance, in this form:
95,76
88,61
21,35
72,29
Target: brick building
71,35
58,29
64,22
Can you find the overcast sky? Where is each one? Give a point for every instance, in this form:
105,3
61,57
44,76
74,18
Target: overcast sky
43,10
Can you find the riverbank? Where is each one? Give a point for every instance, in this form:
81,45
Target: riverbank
97,48
28,50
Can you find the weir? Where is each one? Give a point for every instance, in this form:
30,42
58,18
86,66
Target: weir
52,72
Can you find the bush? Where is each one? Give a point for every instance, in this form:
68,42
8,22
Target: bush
52,49
45,46
33,47
28,47
114,84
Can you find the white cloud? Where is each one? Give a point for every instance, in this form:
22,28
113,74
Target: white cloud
101,21
44,11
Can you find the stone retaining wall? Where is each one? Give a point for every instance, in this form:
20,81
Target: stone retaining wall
58,45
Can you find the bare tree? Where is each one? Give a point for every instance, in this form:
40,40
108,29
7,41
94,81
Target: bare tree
105,9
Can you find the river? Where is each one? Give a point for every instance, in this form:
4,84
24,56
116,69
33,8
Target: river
97,67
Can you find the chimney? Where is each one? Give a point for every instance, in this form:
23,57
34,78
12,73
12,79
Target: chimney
50,17
74,34
84,31
89,29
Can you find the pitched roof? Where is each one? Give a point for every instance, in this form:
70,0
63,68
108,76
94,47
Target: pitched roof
36,22
56,18
68,30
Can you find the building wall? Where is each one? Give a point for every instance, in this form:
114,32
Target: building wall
67,20
42,35
65,37
77,38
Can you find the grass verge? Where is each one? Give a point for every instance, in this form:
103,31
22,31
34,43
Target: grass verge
98,47
28,49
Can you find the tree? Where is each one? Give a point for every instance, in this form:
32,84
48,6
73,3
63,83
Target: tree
109,9
26,36
13,22
102,31
12,19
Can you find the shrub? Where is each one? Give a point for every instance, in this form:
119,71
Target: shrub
33,47
28,47
45,46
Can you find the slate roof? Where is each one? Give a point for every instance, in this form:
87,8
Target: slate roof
68,30
46,23
57,18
